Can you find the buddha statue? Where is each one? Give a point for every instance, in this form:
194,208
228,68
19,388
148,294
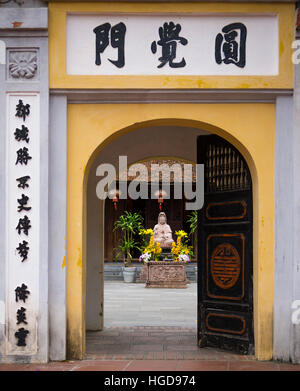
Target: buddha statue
162,232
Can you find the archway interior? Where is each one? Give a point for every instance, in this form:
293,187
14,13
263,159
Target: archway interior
169,175
224,171
157,142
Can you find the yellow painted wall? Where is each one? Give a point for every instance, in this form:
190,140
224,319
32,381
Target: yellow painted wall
57,47
250,127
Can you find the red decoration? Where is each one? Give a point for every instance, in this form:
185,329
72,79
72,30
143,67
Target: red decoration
115,201
160,201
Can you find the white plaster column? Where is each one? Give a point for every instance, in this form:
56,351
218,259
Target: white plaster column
295,328
57,226
24,76
284,217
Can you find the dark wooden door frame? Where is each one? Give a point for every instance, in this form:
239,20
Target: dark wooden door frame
225,252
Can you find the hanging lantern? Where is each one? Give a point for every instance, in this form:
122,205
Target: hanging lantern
160,194
160,202
115,195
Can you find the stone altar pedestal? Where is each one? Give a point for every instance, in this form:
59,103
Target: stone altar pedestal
143,274
166,274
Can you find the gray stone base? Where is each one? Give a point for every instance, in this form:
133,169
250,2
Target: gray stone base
113,271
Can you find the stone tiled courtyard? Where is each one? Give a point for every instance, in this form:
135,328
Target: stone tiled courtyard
151,330
152,343
134,305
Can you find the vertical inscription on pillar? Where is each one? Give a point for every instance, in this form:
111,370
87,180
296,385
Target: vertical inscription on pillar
22,222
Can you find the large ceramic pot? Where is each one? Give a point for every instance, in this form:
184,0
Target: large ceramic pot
129,274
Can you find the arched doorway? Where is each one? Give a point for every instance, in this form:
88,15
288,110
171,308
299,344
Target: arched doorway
80,162
225,299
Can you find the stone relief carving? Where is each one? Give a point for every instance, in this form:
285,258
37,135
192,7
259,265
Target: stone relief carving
22,64
167,273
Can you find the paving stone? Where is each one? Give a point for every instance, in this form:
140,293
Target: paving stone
108,333
135,333
175,348
148,340
253,366
136,305
153,361
101,365
108,348
110,340
143,332
147,348
169,334
14,367
157,365
289,367
189,365
180,340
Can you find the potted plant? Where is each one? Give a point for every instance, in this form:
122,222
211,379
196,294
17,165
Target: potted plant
130,224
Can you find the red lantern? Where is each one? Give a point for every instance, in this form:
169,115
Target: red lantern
160,201
115,201
115,194
160,194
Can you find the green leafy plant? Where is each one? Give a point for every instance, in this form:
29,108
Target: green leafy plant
193,224
130,224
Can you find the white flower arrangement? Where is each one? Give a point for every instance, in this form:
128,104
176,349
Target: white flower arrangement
146,257
184,258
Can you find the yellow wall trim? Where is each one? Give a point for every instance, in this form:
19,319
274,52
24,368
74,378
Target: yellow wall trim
57,47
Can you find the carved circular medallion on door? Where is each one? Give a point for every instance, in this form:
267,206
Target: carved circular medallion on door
225,265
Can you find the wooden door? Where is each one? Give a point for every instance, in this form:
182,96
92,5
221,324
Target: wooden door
225,301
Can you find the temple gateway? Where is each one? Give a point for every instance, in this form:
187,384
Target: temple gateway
210,85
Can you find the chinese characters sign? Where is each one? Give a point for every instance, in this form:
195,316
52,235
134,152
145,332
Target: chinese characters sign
22,222
172,45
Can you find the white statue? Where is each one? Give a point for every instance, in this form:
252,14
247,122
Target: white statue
162,232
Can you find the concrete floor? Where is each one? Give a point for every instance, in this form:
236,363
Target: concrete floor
134,305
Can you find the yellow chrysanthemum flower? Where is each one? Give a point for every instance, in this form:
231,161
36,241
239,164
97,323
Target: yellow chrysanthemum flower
181,233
